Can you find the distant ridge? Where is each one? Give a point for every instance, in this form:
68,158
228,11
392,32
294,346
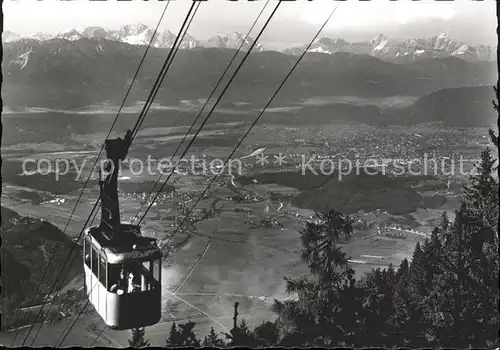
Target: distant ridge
136,34
66,74
404,50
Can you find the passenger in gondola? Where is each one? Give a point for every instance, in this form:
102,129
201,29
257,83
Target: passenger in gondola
133,285
120,286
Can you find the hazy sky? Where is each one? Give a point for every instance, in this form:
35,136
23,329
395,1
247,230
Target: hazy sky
293,24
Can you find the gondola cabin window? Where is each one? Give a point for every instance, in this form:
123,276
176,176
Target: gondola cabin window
94,257
156,270
102,270
117,282
134,276
87,252
152,267
147,268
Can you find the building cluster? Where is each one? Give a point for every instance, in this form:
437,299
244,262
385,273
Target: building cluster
265,223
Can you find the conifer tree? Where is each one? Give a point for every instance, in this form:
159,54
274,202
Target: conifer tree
493,137
241,336
213,340
138,340
481,195
187,335
182,336
316,315
416,281
319,240
445,221
465,289
431,253
267,334
174,337
402,317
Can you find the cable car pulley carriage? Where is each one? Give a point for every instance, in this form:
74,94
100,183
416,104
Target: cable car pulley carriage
122,267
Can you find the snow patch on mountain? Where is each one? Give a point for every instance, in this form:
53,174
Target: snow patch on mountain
136,39
319,49
23,59
234,41
71,34
39,36
189,42
381,46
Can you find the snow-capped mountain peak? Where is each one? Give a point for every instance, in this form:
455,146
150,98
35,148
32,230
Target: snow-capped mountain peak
39,36
70,34
94,32
379,39
134,29
443,42
443,36
8,36
72,30
135,34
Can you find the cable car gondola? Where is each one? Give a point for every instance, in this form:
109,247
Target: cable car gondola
122,267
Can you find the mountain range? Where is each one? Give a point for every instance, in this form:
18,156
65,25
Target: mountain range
79,68
63,74
139,34
394,49
404,50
